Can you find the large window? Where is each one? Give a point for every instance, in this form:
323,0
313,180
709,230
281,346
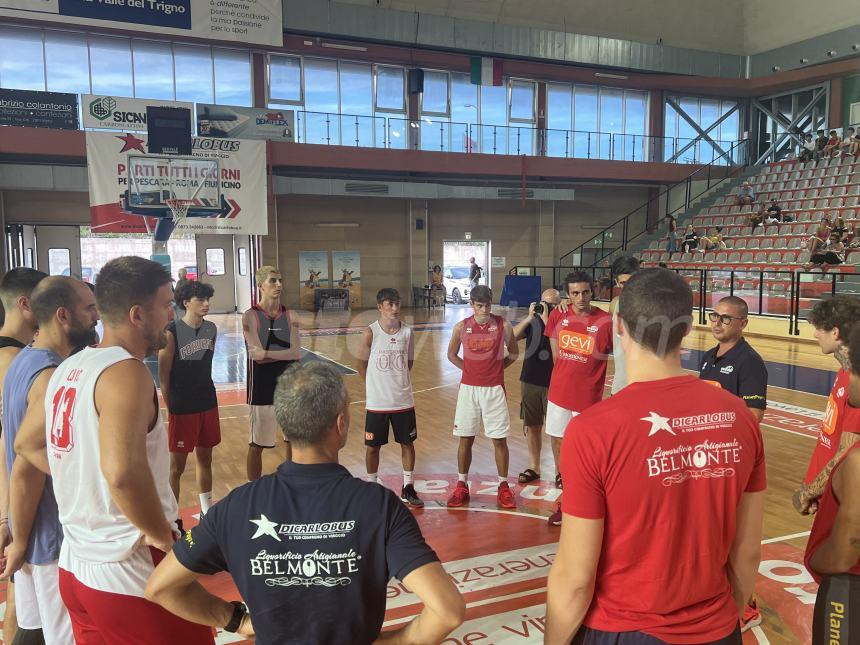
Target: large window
681,142
59,61
593,122
67,63
321,102
22,59
285,79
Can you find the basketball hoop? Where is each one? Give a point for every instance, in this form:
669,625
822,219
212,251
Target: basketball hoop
179,208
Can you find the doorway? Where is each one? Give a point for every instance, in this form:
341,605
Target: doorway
456,256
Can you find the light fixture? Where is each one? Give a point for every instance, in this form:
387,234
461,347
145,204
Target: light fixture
804,61
855,46
394,133
352,48
775,68
620,77
309,43
336,224
831,53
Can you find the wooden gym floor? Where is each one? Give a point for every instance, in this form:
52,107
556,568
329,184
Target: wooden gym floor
510,610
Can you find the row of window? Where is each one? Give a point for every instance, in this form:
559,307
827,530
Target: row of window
57,61
365,104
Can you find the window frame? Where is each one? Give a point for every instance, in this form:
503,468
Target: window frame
430,113
301,101
376,108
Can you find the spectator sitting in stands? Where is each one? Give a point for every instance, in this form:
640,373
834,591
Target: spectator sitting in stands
820,144
807,149
773,215
833,143
756,219
746,194
712,242
846,146
691,240
839,227
831,253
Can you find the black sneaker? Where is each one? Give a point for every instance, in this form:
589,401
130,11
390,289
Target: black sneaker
410,497
180,527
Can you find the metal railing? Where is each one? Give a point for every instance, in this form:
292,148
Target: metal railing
617,237
396,132
783,294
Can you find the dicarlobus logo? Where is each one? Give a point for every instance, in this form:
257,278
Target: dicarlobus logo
102,108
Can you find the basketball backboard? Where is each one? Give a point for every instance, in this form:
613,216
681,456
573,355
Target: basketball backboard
155,182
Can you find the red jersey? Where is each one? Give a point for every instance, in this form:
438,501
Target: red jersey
584,345
483,351
664,463
828,505
839,417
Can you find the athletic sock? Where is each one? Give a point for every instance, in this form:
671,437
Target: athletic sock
373,477
205,502
407,477
462,477
502,479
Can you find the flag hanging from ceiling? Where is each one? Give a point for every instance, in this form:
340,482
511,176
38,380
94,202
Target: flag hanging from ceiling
486,71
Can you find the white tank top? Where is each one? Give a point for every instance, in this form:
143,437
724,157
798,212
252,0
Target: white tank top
101,547
389,386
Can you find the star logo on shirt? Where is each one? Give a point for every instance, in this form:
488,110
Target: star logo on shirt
265,527
658,423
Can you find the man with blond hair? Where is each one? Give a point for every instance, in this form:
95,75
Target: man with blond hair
272,341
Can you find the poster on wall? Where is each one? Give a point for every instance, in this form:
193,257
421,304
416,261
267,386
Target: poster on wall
245,123
313,274
121,112
39,109
258,22
242,199
346,274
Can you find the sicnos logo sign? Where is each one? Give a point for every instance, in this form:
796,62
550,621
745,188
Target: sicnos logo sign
121,113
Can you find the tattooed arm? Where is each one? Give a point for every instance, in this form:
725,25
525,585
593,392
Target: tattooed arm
805,497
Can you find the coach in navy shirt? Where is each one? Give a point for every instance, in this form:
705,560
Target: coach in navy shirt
733,364
310,548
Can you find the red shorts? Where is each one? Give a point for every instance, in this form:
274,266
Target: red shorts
104,618
186,432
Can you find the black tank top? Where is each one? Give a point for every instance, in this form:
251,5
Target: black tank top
8,341
191,386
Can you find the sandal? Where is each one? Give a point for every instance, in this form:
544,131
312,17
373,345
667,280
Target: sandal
527,476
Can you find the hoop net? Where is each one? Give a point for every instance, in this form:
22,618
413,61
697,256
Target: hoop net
179,209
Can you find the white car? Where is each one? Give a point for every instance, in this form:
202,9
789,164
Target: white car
456,281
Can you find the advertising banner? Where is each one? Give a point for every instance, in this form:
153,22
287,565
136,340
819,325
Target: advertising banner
313,274
241,189
39,109
346,274
245,123
257,22
120,112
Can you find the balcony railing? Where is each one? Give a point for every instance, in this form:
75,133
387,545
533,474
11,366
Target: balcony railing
323,128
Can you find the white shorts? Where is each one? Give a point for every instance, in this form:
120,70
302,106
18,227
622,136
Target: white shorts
482,403
557,419
38,603
264,426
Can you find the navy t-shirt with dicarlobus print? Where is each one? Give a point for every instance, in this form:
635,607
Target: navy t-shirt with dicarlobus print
311,550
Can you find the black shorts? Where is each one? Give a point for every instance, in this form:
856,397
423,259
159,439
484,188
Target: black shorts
376,427
263,380
836,618
588,636
826,258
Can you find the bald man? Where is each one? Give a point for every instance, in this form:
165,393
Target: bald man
535,376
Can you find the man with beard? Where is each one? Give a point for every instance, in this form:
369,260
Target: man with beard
105,445
66,312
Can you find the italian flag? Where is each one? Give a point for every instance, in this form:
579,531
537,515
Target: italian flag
486,71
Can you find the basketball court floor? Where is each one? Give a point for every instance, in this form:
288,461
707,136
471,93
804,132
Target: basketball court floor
500,559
